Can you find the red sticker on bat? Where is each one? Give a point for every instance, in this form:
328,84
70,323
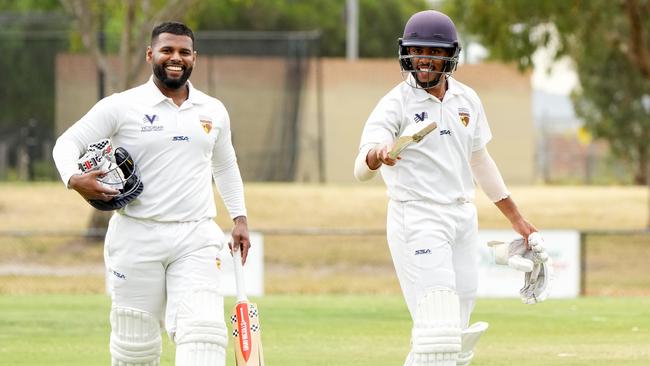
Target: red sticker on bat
244,324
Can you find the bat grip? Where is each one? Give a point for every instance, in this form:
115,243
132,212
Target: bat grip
239,275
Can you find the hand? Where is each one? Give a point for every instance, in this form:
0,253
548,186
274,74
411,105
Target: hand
240,237
524,228
378,155
89,188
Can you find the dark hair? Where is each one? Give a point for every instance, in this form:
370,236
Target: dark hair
177,28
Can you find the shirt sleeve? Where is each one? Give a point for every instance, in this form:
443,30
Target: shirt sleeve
482,133
362,171
225,171
100,122
383,124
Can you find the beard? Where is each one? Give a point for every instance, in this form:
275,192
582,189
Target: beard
161,74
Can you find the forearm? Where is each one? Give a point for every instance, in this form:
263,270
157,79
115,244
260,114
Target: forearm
509,209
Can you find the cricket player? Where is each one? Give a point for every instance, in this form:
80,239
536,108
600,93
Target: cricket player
161,248
432,220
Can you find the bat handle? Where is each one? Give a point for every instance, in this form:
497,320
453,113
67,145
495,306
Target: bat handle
239,275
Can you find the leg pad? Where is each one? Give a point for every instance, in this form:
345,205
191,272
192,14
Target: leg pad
135,338
201,334
436,336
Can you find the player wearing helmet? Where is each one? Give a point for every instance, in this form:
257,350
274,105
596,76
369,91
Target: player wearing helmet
432,222
161,245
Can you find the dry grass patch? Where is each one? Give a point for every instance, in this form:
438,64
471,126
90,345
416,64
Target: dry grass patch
328,263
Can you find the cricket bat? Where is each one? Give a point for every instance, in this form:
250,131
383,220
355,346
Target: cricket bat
245,322
405,140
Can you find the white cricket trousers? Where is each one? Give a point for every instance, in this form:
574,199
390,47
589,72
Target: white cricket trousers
432,246
151,265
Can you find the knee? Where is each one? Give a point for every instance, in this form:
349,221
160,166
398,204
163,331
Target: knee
135,337
200,318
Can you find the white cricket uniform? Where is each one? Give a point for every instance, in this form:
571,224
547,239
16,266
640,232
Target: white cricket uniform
165,242
432,224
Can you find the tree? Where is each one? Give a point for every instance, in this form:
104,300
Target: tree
132,21
380,22
607,40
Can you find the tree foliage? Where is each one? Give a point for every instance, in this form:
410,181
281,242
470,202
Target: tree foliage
131,22
380,22
608,41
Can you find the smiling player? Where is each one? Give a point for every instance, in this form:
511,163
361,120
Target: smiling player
161,246
432,221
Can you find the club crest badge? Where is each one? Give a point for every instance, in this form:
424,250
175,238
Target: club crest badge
206,122
463,114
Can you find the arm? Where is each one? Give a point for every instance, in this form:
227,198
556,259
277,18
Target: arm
509,209
100,122
225,172
382,125
489,178
370,159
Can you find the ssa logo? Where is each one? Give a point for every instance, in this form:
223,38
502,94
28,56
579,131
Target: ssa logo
181,138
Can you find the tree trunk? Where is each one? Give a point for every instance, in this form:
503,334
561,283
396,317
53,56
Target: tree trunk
97,226
643,169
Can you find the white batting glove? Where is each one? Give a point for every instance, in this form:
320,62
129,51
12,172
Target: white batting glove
537,283
513,254
535,262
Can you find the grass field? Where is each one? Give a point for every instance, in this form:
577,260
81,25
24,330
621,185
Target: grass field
320,330
333,299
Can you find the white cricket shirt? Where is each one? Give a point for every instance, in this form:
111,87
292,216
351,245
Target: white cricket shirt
178,151
438,167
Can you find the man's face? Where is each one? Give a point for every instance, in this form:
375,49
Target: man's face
172,58
427,69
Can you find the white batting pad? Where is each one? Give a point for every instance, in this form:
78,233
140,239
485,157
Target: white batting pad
201,334
135,338
470,337
436,335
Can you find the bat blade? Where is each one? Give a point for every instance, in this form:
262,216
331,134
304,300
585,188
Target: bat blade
247,335
245,321
405,140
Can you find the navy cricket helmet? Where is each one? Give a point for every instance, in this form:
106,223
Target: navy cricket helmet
429,28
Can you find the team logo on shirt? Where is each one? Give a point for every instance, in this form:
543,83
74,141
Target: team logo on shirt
206,122
150,118
463,113
419,117
149,125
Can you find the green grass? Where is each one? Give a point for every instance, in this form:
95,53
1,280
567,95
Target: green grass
348,330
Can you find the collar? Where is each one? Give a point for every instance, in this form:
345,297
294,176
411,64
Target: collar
154,96
453,88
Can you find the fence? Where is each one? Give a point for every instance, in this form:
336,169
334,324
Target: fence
314,260
260,76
